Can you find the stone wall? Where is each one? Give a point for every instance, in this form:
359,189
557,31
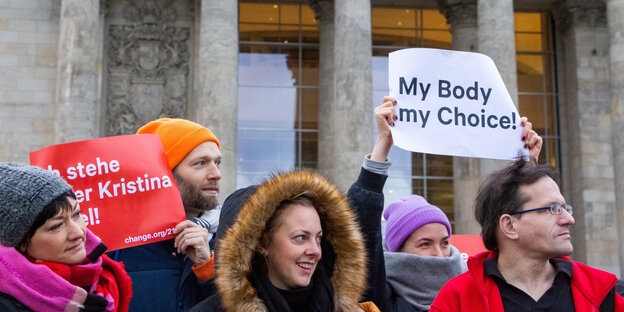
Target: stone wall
28,54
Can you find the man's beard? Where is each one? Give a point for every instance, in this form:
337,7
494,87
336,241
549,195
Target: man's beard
193,199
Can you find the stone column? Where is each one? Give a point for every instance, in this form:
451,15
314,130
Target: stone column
216,105
79,65
345,125
497,39
462,16
324,13
586,125
615,11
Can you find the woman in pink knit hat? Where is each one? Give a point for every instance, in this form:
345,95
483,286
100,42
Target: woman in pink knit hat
418,259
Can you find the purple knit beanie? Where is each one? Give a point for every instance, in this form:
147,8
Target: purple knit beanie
407,215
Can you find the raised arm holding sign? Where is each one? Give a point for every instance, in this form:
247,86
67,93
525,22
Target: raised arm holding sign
420,259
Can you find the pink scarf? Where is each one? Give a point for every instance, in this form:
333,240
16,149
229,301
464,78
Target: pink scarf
37,286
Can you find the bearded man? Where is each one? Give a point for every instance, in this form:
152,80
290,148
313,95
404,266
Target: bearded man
175,274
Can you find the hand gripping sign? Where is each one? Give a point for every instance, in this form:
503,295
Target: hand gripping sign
126,192
452,103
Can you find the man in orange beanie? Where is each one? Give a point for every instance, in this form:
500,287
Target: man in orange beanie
175,274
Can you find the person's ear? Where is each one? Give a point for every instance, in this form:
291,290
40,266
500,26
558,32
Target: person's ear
508,226
263,251
22,247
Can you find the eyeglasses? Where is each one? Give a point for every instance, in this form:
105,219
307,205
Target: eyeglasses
555,209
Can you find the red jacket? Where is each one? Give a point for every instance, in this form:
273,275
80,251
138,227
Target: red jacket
473,291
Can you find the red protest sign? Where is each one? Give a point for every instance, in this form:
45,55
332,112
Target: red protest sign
468,245
124,186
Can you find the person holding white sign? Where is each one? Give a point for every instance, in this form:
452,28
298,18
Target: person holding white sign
420,260
49,260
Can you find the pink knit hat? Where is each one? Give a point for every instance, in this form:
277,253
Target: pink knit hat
407,215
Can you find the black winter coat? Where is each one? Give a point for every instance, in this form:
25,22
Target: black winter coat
244,215
10,304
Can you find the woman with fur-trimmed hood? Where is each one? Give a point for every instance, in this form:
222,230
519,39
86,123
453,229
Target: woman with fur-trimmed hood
293,244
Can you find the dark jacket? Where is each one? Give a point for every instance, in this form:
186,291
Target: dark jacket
162,279
10,304
592,289
343,261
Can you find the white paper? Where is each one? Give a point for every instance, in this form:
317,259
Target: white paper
435,88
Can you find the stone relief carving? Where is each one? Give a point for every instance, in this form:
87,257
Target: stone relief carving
148,66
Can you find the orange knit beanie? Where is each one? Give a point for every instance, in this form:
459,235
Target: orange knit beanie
179,137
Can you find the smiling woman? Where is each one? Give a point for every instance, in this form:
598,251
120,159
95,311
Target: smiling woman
293,243
44,241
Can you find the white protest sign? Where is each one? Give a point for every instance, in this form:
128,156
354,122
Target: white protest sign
453,103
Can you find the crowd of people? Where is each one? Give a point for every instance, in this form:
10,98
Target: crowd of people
295,242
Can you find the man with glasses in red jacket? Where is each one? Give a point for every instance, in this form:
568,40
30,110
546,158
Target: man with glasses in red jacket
525,225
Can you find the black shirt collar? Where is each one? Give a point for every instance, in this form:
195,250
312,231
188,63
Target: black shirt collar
490,267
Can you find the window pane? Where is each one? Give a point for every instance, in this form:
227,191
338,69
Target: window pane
528,42
530,69
310,66
310,34
440,194
393,18
536,79
439,165
433,19
528,22
417,164
552,152
264,65
266,108
394,37
289,14
309,150
308,16
418,187
258,13
309,108
264,151
397,187
551,116
532,107
289,34
439,39
257,32
380,74
548,73
401,163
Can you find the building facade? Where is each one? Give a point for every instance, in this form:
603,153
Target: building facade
292,84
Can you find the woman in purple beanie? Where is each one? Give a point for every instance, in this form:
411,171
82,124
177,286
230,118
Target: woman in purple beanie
419,259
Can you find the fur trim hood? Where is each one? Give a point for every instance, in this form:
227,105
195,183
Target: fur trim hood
244,217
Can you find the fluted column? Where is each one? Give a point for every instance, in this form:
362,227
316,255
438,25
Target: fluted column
497,39
345,87
216,87
79,65
615,12
586,123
